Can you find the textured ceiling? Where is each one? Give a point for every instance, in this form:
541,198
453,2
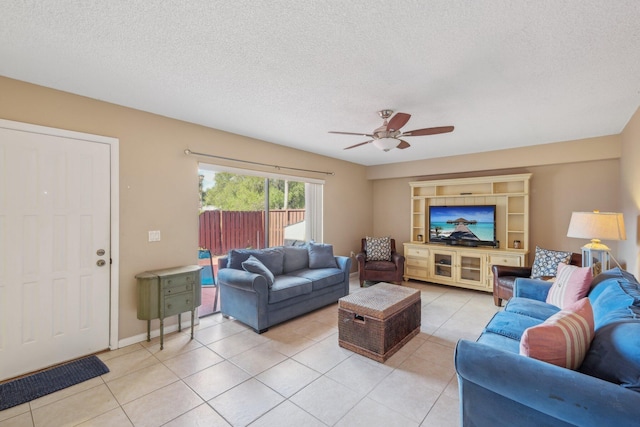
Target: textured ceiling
504,73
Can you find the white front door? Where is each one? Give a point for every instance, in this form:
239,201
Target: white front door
54,249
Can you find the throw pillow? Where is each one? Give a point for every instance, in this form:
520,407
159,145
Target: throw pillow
614,354
295,258
572,284
321,256
378,248
546,262
253,265
272,258
563,339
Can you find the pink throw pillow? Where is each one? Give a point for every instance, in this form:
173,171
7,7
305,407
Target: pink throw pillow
563,339
572,284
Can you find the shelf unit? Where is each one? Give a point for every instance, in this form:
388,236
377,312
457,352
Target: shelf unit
510,194
468,267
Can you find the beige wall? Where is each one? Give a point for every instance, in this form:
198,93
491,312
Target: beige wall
159,183
556,153
556,191
630,189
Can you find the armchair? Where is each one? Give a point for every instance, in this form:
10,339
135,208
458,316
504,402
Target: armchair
382,271
504,277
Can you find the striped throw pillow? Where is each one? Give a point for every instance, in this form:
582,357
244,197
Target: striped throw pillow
572,283
563,339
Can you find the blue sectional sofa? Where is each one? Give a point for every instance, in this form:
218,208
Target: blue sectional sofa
500,387
263,287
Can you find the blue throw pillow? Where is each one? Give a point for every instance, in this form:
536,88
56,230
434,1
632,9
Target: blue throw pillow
272,258
610,297
614,273
614,354
295,258
321,256
253,265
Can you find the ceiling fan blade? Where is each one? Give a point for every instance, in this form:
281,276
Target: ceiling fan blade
397,121
357,145
352,133
403,145
428,131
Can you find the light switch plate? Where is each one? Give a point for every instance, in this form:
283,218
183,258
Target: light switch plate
154,236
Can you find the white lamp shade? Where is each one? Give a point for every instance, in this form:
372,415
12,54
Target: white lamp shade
597,226
386,144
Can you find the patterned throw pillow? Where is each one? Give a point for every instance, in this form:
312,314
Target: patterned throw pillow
546,262
571,285
378,248
563,339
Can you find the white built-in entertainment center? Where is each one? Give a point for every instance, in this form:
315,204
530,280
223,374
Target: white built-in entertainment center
461,263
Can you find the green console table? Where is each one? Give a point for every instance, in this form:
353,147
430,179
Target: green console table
167,292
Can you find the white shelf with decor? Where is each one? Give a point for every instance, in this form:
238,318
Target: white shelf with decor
468,267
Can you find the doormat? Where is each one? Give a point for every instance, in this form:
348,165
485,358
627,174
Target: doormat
31,387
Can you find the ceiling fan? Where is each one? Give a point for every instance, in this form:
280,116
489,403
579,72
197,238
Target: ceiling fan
388,136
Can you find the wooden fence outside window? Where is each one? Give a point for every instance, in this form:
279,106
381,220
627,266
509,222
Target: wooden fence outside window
221,231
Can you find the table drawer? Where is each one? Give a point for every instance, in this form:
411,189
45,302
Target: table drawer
177,289
178,283
415,262
513,261
417,272
179,303
417,252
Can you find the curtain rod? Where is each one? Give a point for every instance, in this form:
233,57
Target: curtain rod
189,152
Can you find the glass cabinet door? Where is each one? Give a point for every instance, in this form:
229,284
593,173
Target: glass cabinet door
471,268
443,264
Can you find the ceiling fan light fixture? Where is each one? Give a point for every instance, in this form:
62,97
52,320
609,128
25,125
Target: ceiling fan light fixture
389,136
386,144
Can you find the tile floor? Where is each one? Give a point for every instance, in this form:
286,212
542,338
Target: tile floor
293,375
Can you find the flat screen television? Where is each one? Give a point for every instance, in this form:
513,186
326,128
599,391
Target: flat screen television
463,225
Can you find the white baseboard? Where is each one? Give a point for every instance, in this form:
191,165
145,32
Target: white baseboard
186,324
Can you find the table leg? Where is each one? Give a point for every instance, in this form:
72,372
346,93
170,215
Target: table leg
179,322
161,333
193,316
148,330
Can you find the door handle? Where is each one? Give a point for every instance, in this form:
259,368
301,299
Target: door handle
101,263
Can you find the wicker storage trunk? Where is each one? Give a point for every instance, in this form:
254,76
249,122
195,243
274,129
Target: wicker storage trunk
376,322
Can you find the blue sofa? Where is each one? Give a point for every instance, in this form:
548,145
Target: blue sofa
499,387
299,279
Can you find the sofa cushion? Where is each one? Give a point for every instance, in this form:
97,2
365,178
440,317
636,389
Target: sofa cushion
253,265
614,354
285,287
572,284
613,300
511,325
601,281
530,307
614,273
380,266
321,277
295,258
272,258
499,341
545,262
378,248
321,256
563,339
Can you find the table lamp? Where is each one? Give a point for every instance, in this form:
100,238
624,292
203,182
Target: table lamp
597,226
